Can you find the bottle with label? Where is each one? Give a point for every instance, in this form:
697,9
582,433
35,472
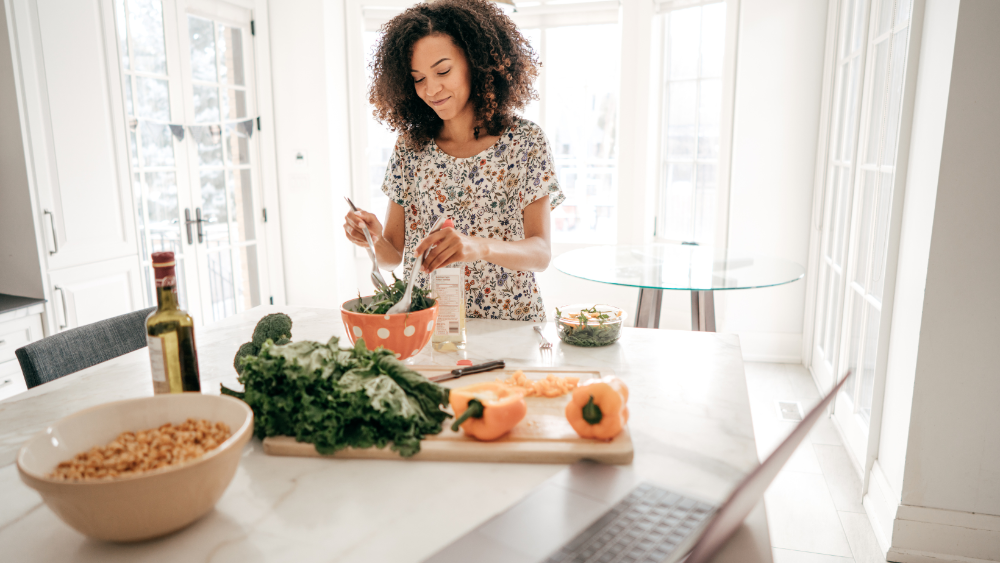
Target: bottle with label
170,334
449,287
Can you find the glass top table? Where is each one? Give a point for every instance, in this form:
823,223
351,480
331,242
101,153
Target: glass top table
654,268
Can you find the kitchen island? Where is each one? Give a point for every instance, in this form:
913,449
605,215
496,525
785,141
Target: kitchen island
690,424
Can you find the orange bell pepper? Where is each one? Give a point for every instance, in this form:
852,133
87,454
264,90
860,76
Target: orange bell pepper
598,408
487,411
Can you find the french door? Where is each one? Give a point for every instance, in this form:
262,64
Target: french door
862,190
189,88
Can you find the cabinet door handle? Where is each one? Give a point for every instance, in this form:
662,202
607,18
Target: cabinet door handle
65,318
2,342
52,227
6,382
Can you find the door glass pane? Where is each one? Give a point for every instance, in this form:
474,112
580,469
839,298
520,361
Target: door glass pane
146,24
128,97
248,292
854,343
685,34
231,55
877,102
242,204
865,227
209,141
213,207
895,98
237,145
234,104
883,207
157,144
122,31
679,204
903,11
868,364
164,215
206,104
222,293
202,49
154,98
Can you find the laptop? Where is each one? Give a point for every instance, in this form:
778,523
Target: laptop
593,513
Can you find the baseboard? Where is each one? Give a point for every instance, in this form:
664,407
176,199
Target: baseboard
880,503
775,347
916,534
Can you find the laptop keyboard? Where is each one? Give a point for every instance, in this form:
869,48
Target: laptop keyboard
646,525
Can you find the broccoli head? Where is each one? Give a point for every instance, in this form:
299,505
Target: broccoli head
247,349
275,327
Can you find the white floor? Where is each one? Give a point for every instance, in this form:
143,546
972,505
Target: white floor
814,506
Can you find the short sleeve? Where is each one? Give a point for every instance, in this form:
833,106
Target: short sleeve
394,184
540,177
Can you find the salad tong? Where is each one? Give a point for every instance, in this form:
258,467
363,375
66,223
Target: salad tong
377,278
403,305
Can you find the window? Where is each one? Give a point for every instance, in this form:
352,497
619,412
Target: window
693,155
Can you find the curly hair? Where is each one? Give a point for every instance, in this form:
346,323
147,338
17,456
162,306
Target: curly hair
502,64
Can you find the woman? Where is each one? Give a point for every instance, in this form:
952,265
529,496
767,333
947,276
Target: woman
448,76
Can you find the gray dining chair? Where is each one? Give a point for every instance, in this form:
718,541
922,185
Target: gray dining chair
75,349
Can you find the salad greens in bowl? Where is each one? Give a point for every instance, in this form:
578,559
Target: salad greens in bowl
589,325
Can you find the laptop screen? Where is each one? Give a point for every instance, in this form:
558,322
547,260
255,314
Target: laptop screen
746,495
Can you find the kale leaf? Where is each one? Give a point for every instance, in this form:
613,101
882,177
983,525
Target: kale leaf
338,397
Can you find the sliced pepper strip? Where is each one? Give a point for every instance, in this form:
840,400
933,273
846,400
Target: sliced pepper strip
487,411
598,408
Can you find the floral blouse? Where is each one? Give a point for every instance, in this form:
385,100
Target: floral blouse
485,195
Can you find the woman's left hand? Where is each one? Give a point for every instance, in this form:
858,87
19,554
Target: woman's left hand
448,246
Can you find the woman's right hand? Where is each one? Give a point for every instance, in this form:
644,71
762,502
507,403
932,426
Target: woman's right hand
352,226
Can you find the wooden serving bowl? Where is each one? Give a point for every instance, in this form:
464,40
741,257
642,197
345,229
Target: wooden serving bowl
144,505
405,334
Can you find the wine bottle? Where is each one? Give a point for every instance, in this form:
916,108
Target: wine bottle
170,334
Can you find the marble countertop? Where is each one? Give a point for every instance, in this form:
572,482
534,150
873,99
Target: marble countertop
690,423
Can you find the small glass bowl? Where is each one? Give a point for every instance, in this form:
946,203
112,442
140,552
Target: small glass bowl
600,324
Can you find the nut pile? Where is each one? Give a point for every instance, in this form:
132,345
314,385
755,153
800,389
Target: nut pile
146,450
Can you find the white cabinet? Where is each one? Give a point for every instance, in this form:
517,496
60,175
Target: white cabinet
91,293
76,129
72,118
17,328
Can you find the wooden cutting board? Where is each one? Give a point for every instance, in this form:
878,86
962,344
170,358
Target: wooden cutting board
544,436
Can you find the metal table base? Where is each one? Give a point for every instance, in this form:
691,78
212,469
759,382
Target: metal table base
647,310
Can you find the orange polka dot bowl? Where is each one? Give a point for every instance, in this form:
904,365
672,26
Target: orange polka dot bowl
405,334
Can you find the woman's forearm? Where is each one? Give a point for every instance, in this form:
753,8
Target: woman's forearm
532,254
387,255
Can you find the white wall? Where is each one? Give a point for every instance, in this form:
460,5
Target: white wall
778,92
310,112
20,270
954,457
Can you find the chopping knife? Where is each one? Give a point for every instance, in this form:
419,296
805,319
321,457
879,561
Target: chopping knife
488,366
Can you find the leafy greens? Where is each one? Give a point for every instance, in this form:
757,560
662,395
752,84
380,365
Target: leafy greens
384,299
338,397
